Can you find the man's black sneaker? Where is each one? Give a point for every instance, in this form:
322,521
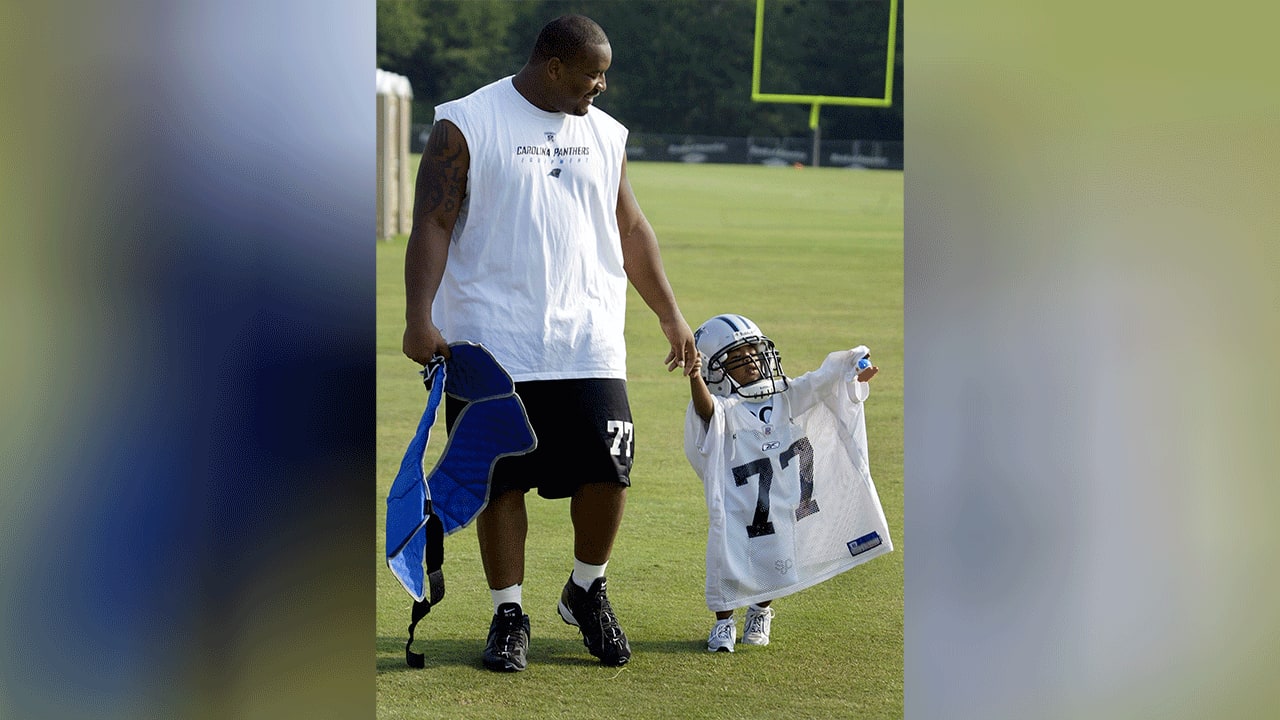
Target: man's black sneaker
590,611
508,639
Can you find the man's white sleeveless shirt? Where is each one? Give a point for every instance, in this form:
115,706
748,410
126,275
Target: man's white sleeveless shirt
535,261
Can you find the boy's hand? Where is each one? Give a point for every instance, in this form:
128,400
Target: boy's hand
863,355
699,393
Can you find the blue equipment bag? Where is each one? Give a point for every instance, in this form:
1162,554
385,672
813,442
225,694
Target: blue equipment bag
421,510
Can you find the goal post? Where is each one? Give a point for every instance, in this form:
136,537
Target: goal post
817,101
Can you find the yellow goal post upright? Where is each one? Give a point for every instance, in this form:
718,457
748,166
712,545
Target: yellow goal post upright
817,101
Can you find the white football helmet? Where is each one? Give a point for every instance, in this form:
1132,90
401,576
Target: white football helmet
724,333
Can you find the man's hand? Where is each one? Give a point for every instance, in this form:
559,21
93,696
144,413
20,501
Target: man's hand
423,341
683,351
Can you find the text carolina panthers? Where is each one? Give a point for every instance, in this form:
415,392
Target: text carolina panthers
552,151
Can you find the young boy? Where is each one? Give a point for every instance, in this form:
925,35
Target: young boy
784,466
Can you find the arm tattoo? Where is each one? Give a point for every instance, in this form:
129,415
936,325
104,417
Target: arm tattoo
442,183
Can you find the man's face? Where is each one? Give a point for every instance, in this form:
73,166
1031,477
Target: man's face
581,79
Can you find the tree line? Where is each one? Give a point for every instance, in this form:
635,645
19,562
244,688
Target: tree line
679,66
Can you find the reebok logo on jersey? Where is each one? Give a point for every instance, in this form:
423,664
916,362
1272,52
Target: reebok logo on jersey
770,446
864,543
555,173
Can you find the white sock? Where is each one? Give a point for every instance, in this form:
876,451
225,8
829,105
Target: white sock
585,574
506,595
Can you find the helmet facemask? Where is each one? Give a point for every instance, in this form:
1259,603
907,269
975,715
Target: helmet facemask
769,378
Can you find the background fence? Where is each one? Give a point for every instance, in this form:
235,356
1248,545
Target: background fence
879,154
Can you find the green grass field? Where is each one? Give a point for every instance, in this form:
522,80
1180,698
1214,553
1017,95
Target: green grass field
815,257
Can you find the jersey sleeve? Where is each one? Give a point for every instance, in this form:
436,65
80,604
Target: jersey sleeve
855,391
836,380
816,386
703,438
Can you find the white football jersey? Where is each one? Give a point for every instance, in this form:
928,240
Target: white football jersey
789,495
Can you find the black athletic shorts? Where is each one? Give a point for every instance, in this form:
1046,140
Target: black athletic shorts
585,435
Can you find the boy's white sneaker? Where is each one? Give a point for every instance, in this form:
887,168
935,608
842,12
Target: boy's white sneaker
722,636
755,631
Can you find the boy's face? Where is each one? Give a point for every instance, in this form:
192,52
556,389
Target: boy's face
743,364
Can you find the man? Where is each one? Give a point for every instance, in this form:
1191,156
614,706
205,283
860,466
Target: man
525,234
